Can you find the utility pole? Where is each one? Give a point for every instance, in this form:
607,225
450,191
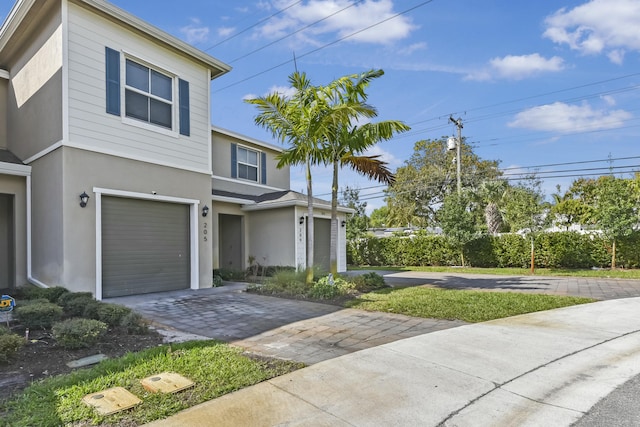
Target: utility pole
458,124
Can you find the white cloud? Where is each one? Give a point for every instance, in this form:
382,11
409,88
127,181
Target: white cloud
225,31
339,23
385,156
195,32
406,51
609,26
286,91
565,118
514,67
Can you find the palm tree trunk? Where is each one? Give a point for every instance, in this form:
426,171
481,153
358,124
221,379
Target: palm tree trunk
310,260
333,251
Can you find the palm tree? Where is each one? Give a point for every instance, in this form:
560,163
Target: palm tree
492,192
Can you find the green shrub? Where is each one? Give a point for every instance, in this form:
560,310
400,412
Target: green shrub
230,274
50,294
74,303
78,332
9,344
38,315
368,282
112,314
134,324
91,310
329,288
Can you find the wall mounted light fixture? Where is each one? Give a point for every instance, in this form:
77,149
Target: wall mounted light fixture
84,198
301,221
343,223
205,210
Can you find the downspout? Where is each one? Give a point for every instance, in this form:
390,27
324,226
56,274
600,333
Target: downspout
30,277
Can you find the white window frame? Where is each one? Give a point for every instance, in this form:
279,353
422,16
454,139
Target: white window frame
257,165
173,131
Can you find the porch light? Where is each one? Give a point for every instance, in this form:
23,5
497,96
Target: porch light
301,221
84,198
205,210
343,223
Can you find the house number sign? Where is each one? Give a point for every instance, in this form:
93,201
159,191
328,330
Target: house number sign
205,231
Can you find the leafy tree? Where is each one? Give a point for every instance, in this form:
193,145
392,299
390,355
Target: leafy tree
428,176
379,217
457,221
525,210
357,222
616,209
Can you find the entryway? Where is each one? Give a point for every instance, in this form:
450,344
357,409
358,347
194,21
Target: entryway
7,241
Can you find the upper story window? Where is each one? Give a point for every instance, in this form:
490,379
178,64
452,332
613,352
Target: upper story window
247,164
148,95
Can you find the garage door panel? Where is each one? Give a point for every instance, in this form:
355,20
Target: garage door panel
145,246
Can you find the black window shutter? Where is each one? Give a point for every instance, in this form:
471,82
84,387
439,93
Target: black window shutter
263,166
183,96
234,160
112,62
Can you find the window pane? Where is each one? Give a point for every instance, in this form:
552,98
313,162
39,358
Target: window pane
242,171
252,158
242,155
136,106
160,113
252,173
161,85
137,76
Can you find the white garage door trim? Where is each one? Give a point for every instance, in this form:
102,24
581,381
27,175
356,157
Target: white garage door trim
193,228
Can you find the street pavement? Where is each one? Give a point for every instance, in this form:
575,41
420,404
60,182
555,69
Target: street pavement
545,368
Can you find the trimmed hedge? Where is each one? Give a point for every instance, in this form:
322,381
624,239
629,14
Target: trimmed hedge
78,332
38,314
553,250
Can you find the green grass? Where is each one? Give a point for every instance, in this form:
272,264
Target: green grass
470,306
509,271
216,369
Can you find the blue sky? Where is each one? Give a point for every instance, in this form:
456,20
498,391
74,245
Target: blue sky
535,83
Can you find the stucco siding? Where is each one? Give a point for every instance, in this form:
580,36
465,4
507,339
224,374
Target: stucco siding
35,90
92,128
273,237
86,170
16,186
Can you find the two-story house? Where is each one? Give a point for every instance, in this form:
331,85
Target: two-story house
107,160
257,215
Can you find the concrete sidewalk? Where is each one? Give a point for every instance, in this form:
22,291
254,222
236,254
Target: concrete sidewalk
546,368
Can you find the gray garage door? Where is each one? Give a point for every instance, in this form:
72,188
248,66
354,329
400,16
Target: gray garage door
145,246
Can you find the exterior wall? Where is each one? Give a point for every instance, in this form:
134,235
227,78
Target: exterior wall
277,179
35,91
273,236
4,90
47,246
16,186
241,187
67,256
214,230
91,128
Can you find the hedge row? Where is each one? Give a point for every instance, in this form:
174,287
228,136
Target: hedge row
553,250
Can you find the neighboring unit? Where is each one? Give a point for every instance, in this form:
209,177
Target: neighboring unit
107,160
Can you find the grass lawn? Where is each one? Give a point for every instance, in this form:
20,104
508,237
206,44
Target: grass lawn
216,368
470,306
603,273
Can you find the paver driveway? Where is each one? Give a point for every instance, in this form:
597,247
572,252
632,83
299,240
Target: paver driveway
311,332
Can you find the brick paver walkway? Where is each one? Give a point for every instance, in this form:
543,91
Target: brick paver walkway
310,332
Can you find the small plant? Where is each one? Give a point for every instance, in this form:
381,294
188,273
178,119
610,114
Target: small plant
329,288
231,275
78,333
91,310
74,303
368,282
217,280
38,315
50,294
9,344
112,314
134,324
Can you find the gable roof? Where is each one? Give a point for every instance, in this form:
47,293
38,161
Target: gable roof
21,9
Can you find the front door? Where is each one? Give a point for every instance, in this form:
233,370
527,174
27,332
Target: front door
7,241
